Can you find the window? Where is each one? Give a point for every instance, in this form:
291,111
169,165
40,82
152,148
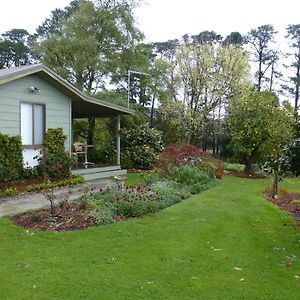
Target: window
32,123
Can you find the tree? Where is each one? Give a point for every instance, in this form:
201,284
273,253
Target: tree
208,77
206,37
260,128
234,38
293,33
259,40
84,44
14,49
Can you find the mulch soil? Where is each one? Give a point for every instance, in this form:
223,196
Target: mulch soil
67,217
285,202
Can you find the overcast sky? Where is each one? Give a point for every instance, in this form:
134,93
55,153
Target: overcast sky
161,20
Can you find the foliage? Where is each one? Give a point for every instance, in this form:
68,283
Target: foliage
78,179
11,158
102,216
206,77
193,179
141,147
260,128
293,85
212,166
14,48
234,167
87,44
259,40
10,191
136,203
56,161
293,157
177,154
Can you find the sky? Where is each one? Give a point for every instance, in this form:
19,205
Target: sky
161,20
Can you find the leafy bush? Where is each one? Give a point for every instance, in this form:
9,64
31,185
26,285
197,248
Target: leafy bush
236,168
102,216
136,202
78,179
169,200
175,155
293,157
11,191
56,161
11,158
192,178
141,147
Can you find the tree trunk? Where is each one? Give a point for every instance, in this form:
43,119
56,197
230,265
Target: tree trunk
275,185
152,111
297,87
248,166
259,71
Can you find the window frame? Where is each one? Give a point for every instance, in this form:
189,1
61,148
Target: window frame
33,104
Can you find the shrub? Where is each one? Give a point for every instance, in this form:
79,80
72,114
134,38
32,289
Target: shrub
212,166
11,158
56,161
103,216
169,200
192,178
136,202
141,147
293,156
36,217
11,191
78,179
234,167
175,155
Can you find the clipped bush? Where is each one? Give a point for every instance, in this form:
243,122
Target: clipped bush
56,162
141,147
11,158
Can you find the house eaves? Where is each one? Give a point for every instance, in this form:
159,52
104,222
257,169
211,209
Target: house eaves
83,106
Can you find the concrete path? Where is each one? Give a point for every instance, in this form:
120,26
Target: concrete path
10,206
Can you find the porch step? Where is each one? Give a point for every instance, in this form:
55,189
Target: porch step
93,170
106,174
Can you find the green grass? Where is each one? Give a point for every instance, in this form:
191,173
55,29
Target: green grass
231,167
187,251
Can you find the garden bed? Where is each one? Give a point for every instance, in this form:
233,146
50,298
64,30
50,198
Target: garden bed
32,185
288,202
110,206
67,218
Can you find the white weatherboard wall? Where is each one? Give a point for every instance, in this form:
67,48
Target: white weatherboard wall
57,105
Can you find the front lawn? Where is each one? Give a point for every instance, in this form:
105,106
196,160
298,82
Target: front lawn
226,243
